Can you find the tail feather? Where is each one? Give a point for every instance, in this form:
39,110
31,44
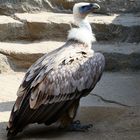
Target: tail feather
47,114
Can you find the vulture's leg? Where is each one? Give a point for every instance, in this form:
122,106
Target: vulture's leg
67,120
69,115
77,126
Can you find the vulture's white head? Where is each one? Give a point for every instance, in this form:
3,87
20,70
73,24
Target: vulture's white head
84,32
81,10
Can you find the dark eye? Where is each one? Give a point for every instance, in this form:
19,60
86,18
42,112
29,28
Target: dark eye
83,7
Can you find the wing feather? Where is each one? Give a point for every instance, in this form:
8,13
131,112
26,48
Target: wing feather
59,77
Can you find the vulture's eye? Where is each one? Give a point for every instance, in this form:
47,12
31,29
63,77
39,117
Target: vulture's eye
83,7
86,8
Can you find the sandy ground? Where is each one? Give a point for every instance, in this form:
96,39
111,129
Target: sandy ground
110,122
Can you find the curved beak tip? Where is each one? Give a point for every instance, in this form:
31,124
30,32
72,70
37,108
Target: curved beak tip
96,6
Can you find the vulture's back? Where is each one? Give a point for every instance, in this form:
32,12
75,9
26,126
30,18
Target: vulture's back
54,83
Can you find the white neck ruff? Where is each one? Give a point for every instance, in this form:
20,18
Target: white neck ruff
83,33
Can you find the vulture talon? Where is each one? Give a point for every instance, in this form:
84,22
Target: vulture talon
76,122
77,126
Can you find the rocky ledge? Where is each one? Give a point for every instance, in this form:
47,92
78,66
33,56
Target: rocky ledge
22,54
45,25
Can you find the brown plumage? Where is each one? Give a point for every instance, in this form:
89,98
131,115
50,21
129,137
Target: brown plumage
52,87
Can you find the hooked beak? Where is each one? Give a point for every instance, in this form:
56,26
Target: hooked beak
95,6
89,8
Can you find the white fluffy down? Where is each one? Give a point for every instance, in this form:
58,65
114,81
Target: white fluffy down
81,34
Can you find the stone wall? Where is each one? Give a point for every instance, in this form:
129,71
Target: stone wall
109,6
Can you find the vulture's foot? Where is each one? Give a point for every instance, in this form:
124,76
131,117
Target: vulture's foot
77,126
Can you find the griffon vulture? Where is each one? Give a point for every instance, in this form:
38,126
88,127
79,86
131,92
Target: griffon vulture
53,86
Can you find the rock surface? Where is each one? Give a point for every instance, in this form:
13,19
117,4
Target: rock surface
111,6
118,55
11,28
5,65
110,120
46,25
24,54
